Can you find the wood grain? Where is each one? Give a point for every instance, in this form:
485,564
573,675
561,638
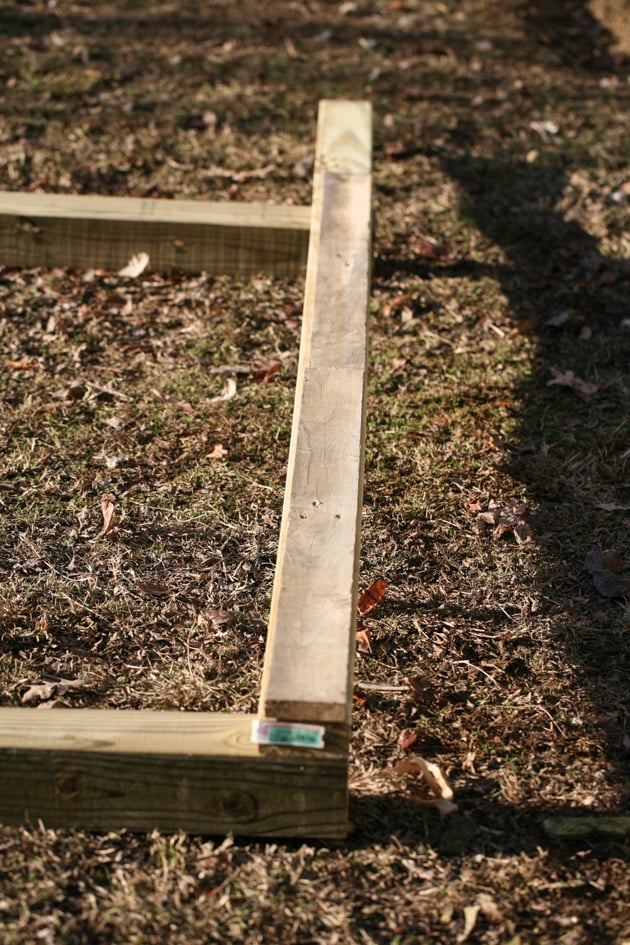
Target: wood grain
104,769
311,641
186,235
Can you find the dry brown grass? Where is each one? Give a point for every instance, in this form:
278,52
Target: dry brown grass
499,133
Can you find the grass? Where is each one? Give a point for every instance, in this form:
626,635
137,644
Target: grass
518,665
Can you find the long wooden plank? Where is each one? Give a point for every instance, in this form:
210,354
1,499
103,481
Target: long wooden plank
105,769
186,235
309,658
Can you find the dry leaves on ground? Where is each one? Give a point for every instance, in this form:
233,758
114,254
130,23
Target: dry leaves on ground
609,577
367,600
583,389
136,266
430,777
370,597
505,519
107,508
217,452
43,692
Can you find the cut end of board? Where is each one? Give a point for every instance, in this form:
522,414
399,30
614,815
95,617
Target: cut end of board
344,142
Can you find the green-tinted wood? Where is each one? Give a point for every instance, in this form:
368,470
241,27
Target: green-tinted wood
187,235
310,648
107,769
102,769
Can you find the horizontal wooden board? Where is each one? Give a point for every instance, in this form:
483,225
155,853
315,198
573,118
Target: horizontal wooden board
199,772
102,232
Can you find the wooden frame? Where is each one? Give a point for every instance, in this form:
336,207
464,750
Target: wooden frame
203,772
189,235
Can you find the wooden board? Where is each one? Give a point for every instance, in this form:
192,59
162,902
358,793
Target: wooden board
187,235
104,769
311,641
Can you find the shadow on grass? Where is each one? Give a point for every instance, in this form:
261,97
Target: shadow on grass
561,287
571,29
481,826
571,454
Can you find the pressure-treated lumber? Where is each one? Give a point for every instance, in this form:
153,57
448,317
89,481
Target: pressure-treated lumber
186,235
311,641
104,769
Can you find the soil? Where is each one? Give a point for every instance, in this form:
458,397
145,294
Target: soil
497,471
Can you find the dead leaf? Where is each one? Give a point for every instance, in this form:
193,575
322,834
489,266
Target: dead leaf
399,149
264,373
364,640
107,508
491,911
560,320
45,691
515,519
214,618
136,266
229,391
397,363
606,568
502,529
583,389
470,919
523,533
370,597
428,248
433,777
75,391
153,589
611,507
612,561
567,319
39,693
397,304
428,770
303,167
544,127
406,766
407,738
217,452
421,689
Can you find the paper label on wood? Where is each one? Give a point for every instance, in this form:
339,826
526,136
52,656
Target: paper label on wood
288,733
